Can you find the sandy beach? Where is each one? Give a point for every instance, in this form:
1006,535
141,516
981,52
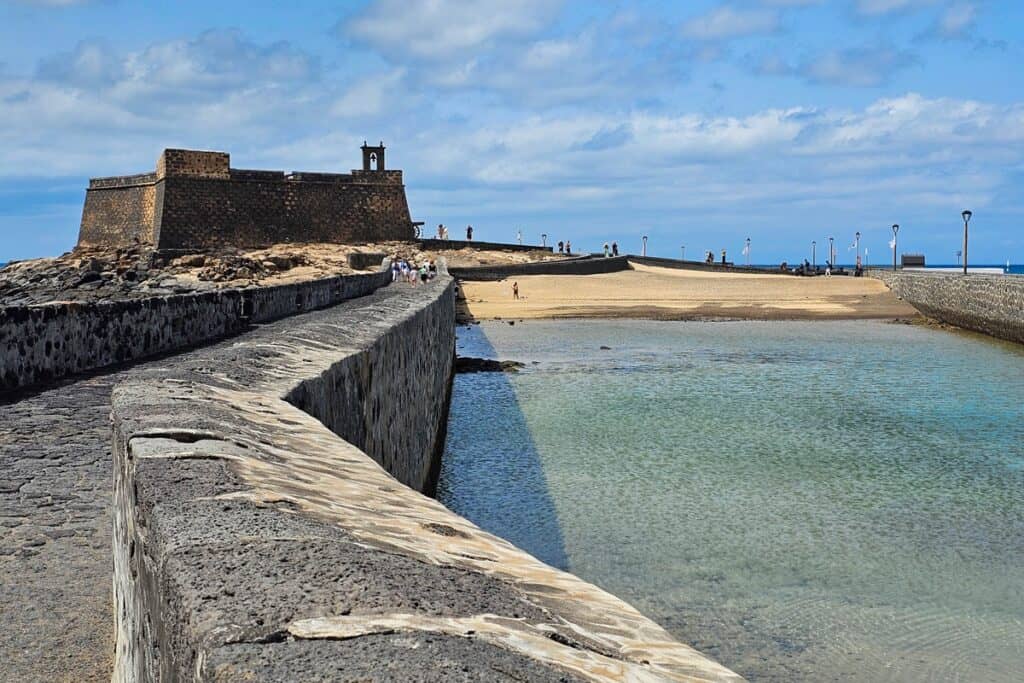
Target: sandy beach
668,294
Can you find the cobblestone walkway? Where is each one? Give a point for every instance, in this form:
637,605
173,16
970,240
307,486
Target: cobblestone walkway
55,534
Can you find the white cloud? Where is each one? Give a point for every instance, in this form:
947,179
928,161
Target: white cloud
882,7
859,67
956,21
727,22
445,29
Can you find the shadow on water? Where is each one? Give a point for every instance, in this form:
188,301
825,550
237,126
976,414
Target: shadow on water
491,471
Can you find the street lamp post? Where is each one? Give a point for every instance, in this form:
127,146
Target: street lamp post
831,252
544,239
682,252
814,254
747,251
644,252
856,243
966,215
895,229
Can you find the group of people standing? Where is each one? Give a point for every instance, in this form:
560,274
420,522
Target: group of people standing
403,270
442,232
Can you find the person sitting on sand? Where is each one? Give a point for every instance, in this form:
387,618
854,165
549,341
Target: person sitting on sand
515,291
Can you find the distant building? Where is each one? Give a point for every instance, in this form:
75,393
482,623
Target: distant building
195,200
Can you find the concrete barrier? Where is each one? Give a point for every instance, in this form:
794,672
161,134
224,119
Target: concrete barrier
700,265
991,304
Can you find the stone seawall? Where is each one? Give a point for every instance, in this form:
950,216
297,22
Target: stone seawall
268,524
991,304
46,342
583,265
699,265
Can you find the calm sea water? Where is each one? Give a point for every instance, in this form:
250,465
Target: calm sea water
801,501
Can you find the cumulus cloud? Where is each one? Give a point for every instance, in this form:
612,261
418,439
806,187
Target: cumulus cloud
882,7
725,22
443,29
956,22
859,67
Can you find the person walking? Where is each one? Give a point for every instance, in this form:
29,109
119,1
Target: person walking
615,248
469,233
568,248
561,247
515,291
828,268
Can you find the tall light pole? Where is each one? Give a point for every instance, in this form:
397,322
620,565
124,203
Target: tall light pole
831,252
544,239
856,243
747,251
814,254
966,215
682,252
644,253
895,229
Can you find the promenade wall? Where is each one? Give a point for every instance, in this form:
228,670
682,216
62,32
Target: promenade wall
269,525
45,342
991,304
583,265
436,244
700,265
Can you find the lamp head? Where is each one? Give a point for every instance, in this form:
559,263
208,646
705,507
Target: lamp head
966,215
895,228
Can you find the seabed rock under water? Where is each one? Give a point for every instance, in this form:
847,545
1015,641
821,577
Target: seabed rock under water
487,365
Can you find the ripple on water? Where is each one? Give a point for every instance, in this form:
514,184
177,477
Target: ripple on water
809,501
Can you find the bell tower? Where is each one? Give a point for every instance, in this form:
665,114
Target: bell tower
373,157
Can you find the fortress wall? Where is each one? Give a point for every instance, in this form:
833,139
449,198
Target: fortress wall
204,213
45,342
991,304
252,542
118,215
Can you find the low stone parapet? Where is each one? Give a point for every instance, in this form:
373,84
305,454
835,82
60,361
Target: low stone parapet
581,265
49,341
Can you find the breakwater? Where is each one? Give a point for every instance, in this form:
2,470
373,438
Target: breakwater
45,342
991,304
581,265
269,525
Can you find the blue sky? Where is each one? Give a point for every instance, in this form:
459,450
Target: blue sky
699,123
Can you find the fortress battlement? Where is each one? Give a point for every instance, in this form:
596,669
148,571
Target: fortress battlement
194,200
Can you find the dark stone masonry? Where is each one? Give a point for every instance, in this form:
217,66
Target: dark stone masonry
195,200
990,304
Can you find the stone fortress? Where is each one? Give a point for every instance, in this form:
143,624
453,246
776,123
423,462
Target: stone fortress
195,200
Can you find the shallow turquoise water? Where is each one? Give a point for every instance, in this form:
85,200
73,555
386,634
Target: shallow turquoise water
808,501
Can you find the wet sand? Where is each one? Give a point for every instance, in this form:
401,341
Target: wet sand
667,294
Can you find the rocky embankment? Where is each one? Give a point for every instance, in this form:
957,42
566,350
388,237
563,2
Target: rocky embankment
87,275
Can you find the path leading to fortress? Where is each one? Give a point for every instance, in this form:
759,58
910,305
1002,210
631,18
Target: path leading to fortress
55,534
